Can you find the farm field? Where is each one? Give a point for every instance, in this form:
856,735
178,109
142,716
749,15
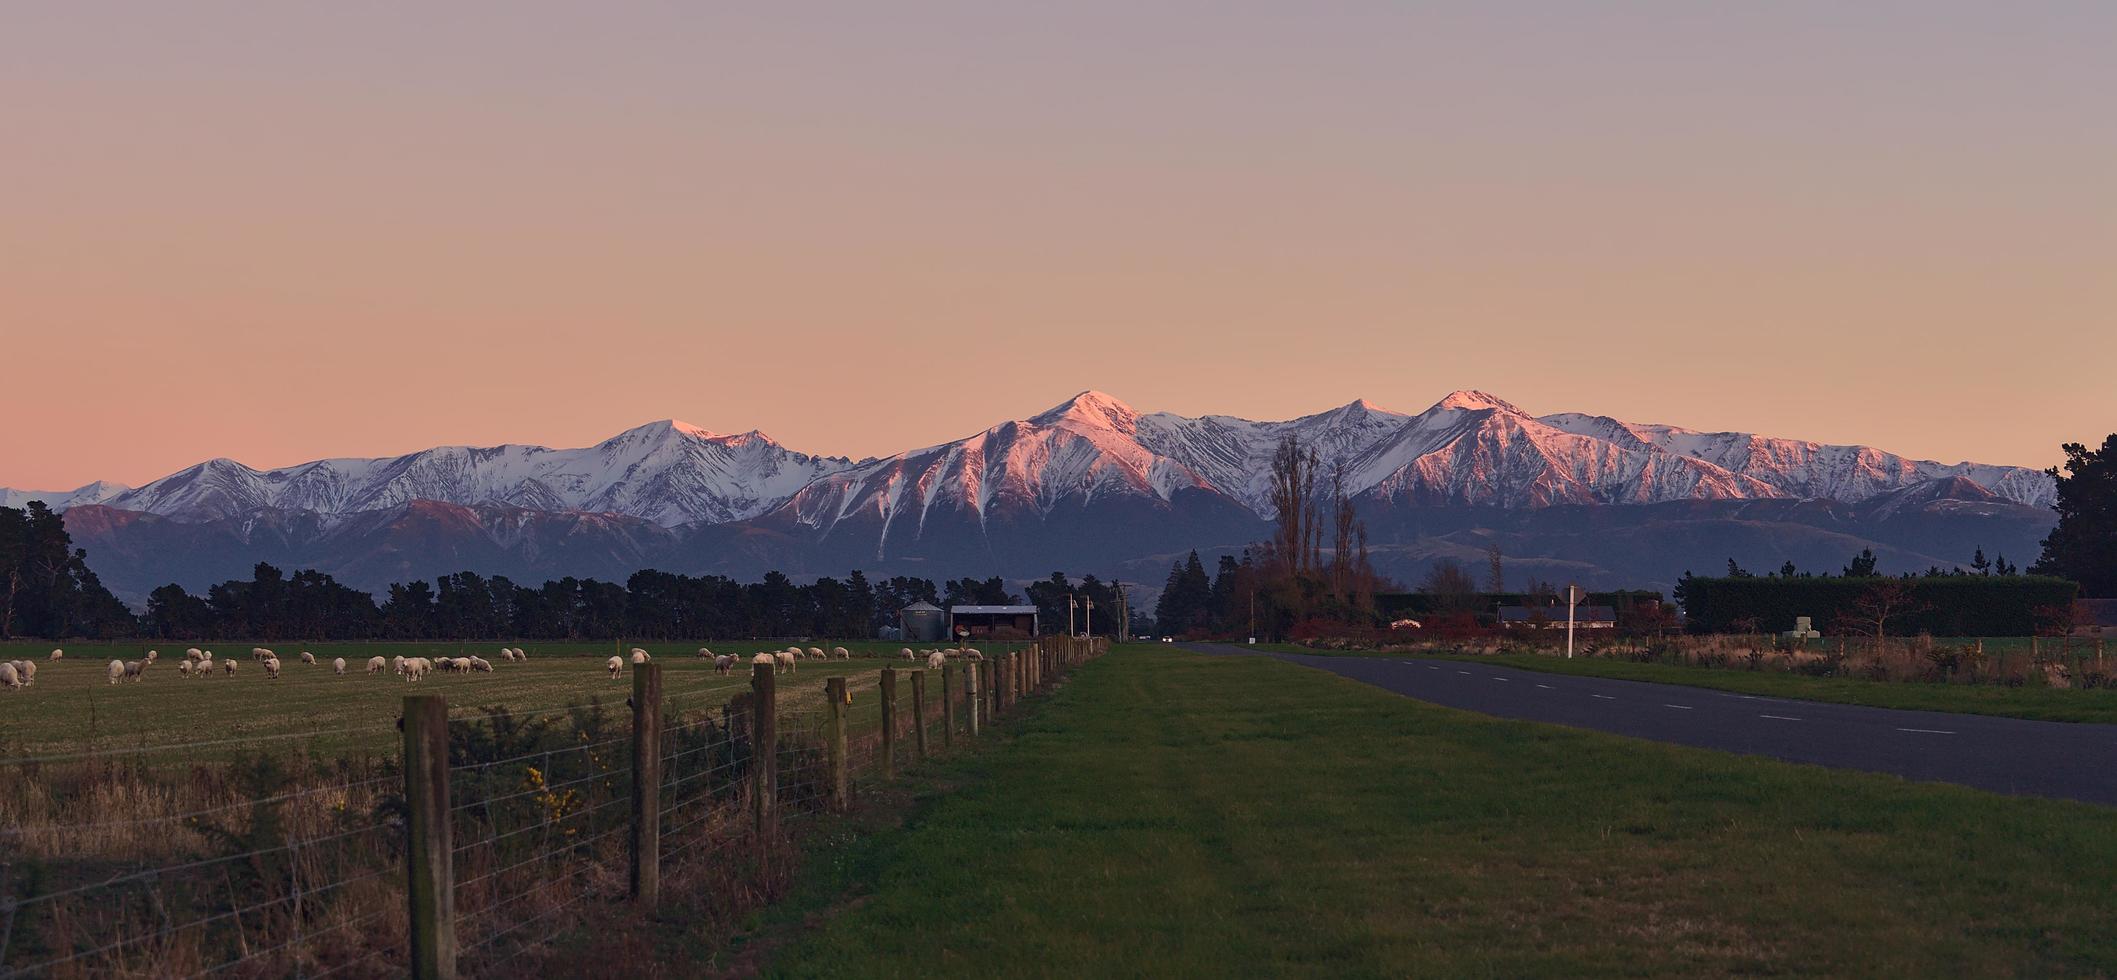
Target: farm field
2037,703
1168,812
73,709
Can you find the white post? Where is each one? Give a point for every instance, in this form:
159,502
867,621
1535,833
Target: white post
1070,604
1088,615
1572,598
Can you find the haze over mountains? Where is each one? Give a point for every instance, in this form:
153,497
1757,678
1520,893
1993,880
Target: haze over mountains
1088,486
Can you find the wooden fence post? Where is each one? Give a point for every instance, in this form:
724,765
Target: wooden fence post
991,703
429,850
973,692
889,722
948,706
647,785
918,712
841,781
764,747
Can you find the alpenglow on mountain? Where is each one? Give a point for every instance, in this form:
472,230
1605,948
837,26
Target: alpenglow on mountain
1470,448
1090,485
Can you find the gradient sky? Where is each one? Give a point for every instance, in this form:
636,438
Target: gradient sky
283,231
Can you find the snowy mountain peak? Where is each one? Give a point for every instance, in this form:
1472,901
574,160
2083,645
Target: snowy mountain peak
1092,409
1472,400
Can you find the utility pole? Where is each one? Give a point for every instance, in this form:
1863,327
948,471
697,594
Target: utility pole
1253,617
1124,614
1071,603
1572,599
1088,616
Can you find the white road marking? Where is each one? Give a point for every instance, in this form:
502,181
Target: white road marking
1925,731
1602,696
1679,707
1500,679
1463,672
1544,686
1779,717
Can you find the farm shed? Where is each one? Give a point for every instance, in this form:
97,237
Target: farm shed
993,621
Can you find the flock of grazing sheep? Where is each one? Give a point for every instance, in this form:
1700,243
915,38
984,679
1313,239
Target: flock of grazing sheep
16,674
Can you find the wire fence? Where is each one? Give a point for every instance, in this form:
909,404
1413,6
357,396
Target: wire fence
267,869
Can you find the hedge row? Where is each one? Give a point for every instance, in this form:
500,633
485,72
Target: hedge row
1949,605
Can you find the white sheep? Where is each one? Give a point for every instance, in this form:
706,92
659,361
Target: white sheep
460,665
183,668
58,654
191,654
936,660
639,656
376,665
308,658
786,661
481,664
228,667
135,670
841,653
260,653
338,666
26,672
766,658
724,664
521,654
617,666
973,654
151,655
117,671
8,678
904,654
272,667
704,654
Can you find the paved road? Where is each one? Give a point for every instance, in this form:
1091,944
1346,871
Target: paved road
2005,755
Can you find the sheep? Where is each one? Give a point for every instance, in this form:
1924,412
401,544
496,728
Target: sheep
26,671
117,671
617,666
135,670
8,678
704,654
272,667
416,668
904,654
459,665
228,667
481,664
639,656
376,665
308,658
767,658
58,654
191,655
151,655
183,668
521,654
936,660
338,666
786,662
973,654
260,653
841,653
724,664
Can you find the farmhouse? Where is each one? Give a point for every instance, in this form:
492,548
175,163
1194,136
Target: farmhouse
993,621
1554,617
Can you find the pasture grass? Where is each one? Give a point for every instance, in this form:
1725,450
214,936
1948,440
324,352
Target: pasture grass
1167,813
73,708
2036,702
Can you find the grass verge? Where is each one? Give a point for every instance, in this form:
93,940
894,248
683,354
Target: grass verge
2036,703
1167,813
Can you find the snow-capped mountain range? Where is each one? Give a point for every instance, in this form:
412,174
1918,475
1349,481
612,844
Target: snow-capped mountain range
1091,486
1469,448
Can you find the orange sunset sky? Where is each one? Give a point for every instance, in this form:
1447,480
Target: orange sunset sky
277,232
